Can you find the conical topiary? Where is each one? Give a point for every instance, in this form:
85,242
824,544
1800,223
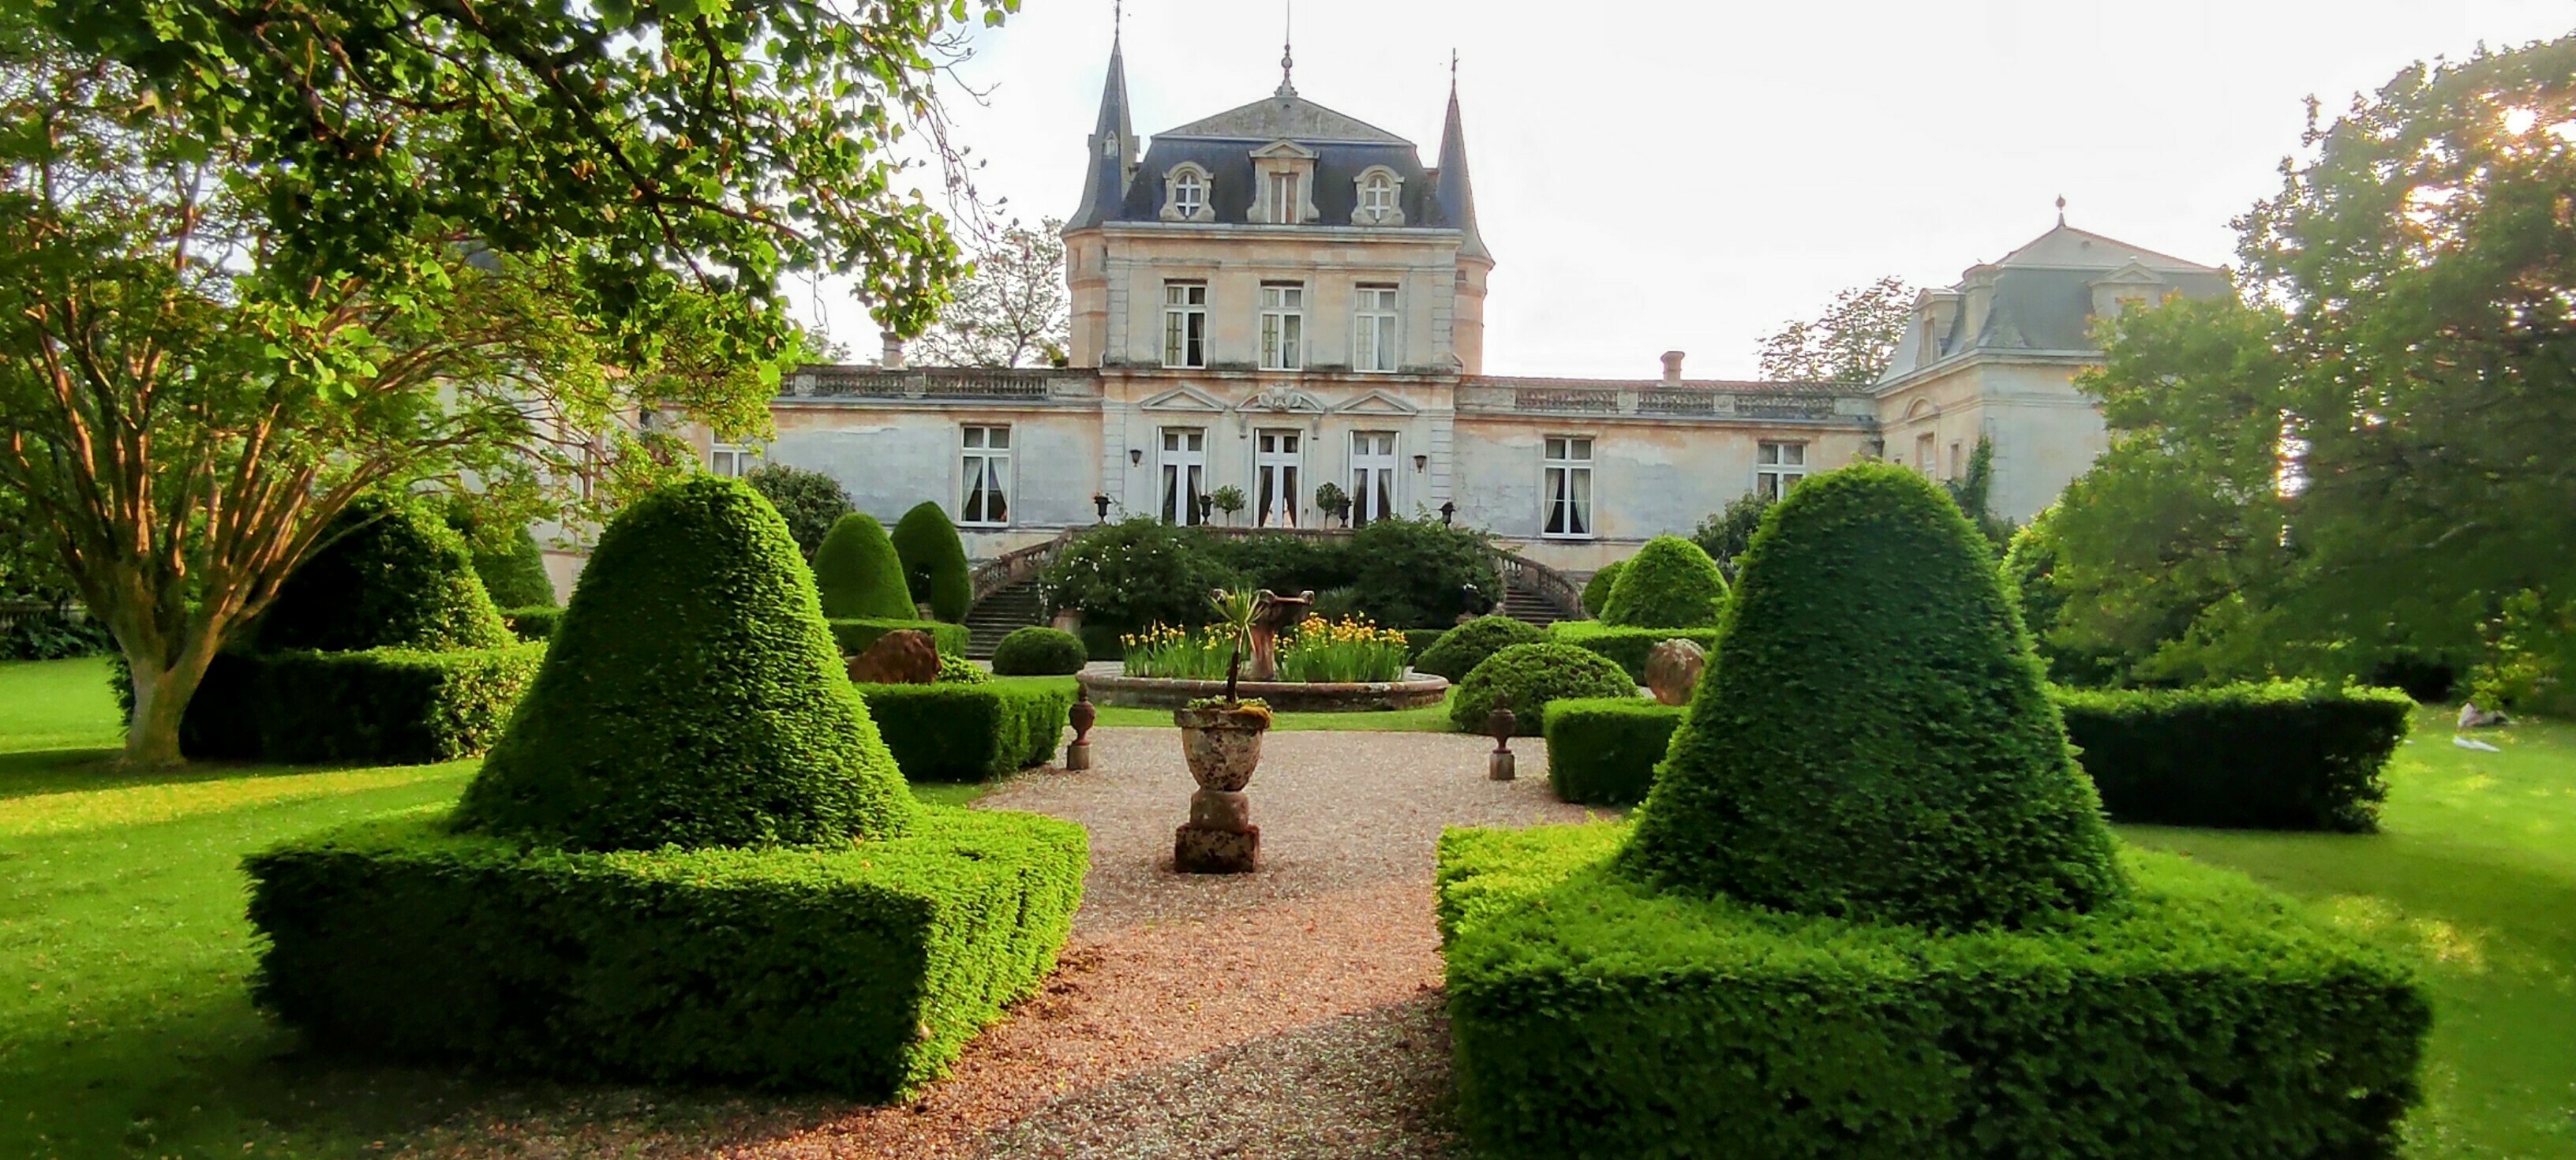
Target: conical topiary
934,562
691,696
1596,591
389,573
858,573
1669,583
1874,741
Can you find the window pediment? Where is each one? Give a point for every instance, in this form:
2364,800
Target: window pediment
1184,399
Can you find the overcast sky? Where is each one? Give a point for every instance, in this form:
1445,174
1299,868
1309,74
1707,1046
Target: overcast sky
1687,175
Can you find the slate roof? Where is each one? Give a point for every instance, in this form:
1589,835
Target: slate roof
2042,296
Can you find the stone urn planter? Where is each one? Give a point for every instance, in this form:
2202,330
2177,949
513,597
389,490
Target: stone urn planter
1222,744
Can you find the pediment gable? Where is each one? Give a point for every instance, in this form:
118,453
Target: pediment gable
1287,149
2133,274
1378,403
1184,399
1286,400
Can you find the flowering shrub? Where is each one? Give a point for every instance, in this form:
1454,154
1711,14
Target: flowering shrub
1344,650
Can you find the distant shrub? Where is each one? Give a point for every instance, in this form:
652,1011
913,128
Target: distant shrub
1038,651
1419,573
1533,675
1594,1016
935,571
1133,574
532,623
1669,583
516,578
1596,591
1726,534
1284,562
968,732
691,696
858,575
2030,575
390,573
810,501
1459,650
859,968
1603,751
957,670
54,636
2283,756
1419,640
1628,646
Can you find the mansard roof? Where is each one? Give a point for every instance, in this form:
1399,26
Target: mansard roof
1289,118
2040,297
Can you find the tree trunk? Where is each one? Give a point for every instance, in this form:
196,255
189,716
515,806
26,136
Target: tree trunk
161,695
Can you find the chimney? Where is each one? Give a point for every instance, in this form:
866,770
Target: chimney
893,358
1672,366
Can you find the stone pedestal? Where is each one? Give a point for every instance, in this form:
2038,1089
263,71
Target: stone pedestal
1498,765
1077,756
1200,850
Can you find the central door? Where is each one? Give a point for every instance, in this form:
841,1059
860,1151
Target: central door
1276,456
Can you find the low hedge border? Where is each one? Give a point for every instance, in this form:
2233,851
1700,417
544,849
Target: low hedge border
854,635
532,623
863,969
1628,646
384,706
1602,751
956,733
2282,756
1592,1016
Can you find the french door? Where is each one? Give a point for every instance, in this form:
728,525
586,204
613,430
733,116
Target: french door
1184,468
1372,476
1276,456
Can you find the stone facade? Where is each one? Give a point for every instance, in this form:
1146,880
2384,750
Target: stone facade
1281,296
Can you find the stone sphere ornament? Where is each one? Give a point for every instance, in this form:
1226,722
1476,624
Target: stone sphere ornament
1673,668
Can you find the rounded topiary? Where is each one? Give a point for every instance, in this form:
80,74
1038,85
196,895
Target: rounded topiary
390,573
1874,741
935,571
1037,651
1461,649
692,696
1533,675
858,575
1669,583
1596,591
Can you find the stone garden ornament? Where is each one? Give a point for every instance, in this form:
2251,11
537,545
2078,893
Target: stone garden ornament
1221,741
1673,668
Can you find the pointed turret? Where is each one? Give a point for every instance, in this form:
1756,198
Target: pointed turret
1455,194
1113,149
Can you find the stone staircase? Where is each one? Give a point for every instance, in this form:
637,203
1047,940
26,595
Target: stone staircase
997,615
1529,607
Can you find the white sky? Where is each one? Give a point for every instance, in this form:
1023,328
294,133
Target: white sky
1687,175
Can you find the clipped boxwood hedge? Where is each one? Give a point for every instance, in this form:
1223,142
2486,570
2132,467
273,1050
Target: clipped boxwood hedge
855,635
1418,641
384,706
532,623
935,571
2280,756
956,732
1602,751
1461,649
1594,1016
1039,651
863,969
1669,583
390,573
1534,675
1627,645
1596,591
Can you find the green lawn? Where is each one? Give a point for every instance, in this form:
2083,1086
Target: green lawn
125,1028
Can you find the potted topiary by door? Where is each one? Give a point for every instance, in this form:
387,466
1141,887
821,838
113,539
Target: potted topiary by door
1221,741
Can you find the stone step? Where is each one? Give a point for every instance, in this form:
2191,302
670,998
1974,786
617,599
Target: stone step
1000,614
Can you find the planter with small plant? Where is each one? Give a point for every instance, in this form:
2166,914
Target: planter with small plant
1228,499
1221,741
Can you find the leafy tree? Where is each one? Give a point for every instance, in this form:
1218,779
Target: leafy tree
1726,534
934,562
1012,310
811,501
257,261
1850,343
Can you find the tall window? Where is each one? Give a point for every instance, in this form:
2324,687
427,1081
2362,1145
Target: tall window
1374,347
1276,456
1189,193
1958,460
1568,486
1777,467
1923,455
1377,197
1283,198
1184,464
986,482
727,459
1372,476
1184,324
1283,326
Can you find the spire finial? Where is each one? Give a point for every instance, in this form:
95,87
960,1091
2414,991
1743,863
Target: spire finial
1453,72
2061,209
1117,18
1287,55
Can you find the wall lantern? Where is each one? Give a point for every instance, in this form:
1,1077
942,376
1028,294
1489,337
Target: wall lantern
1448,510
1101,501
1135,455
1421,461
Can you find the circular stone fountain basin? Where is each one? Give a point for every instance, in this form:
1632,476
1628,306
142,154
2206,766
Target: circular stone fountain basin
1413,692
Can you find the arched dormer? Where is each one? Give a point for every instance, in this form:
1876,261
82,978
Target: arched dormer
1189,194
1380,199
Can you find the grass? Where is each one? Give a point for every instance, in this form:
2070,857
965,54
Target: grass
126,1029
1428,719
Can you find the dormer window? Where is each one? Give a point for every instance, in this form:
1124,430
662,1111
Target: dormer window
1283,198
1378,191
1185,194
1283,184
